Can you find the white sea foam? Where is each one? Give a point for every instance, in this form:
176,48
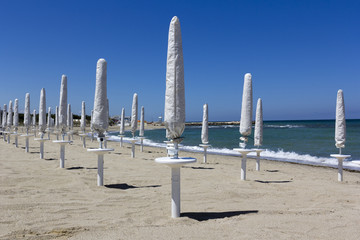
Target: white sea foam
279,155
283,126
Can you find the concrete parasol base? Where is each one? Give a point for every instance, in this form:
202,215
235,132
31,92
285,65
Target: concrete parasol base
243,153
175,165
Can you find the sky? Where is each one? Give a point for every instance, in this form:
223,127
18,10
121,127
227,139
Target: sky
298,52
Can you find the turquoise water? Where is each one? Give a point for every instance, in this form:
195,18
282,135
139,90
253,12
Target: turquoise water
299,141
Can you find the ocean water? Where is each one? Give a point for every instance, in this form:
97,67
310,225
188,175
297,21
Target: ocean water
308,142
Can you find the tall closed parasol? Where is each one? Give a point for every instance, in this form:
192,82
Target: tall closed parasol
340,132
10,116
16,114
134,114
83,117
258,133
174,114
142,127
340,123
246,110
63,105
205,127
42,111
100,117
27,112
122,122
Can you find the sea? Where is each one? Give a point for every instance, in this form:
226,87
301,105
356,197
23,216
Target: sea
306,142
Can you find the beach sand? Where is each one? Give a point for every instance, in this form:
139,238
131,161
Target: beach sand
38,200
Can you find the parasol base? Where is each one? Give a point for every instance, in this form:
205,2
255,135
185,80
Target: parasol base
340,158
100,173
175,165
243,153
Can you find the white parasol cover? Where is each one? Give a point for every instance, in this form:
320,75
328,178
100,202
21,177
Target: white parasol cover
134,114
16,113
49,118
100,117
122,122
10,115
246,107
142,127
34,118
62,114
205,127
258,133
27,110
4,117
57,117
42,111
83,117
174,114
68,121
340,123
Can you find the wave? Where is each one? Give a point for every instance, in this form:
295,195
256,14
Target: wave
284,126
278,155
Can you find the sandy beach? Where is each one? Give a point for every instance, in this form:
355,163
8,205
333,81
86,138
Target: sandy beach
39,200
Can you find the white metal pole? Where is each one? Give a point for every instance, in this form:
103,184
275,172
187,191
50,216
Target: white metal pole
62,156
243,167
26,144
175,192
205,154
340,169
41,149
84,141
100,172
16,140
133,148
141,145
257,161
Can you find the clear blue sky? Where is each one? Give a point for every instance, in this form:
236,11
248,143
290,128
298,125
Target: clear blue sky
299,53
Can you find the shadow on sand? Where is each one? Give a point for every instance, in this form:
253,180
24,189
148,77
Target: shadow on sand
205,168
74,168
125,186
259,181
204,216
